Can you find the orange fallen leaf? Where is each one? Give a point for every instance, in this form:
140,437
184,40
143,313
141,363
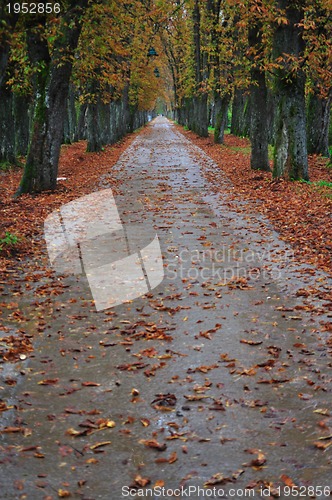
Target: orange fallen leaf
159,484
251,342
50,381
321,445
152,443
141,481
11,429
287,480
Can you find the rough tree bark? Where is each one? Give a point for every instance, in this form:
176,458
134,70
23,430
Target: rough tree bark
51,91
221,111
22,119
199,121
259,159
7,128
221,96
318,120
290,156
8,21
93,126
240,124
70,122
81,123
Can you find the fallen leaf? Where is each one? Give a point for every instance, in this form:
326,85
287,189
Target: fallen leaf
323,411
141,481
152,443
99,445
287,480
251,342
322,446
63,493
159,484
50,381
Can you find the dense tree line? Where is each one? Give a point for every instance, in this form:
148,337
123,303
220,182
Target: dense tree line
270,60
79,71
89,70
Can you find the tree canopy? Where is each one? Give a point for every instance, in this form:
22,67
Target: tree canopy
269,60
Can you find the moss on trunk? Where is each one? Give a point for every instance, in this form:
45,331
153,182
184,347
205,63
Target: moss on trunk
290,155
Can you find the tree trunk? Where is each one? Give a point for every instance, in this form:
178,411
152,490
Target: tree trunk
199,121
221,112
240,124
95,143
51,92
8,21
81,124
290,157
70,123
93,125
271,106
259,159
98,126
105,122
22,118
7,128
318,120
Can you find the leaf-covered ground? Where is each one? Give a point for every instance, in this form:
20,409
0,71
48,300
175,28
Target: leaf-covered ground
209,379
79,173
24,217
300,212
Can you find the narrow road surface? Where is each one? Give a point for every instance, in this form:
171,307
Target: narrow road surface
218,381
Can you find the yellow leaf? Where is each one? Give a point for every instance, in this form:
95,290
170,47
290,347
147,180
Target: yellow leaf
64,493
325,438
99,445
73,432
322,411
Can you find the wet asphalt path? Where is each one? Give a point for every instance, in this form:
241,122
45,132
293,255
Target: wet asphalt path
224,364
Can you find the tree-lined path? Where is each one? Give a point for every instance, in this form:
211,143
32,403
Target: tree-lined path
219,376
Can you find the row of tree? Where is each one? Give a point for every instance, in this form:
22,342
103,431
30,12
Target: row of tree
80,71
90,69
271,60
